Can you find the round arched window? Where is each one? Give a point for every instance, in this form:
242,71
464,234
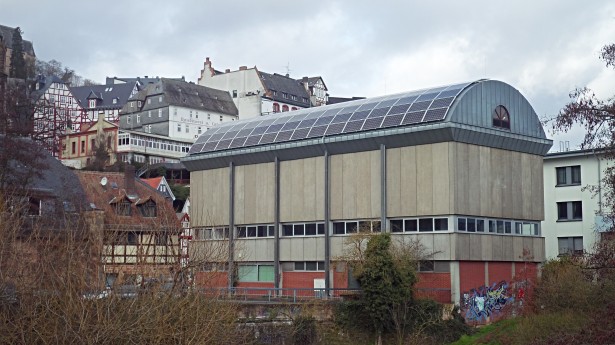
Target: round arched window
501,117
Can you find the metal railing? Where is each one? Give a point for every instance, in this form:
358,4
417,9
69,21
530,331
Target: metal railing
280,294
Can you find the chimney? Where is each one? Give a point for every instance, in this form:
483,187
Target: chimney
304,80
129,179
228,70
207,61
243,68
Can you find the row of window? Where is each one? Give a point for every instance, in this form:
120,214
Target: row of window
187,128
132,238
498,226
160,144
352,227
276,108
255,231
419,224
404,225
266,272
303,229
124,208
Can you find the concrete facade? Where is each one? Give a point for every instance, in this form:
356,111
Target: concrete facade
469,192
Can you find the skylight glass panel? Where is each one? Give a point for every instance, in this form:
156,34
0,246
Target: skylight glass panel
414,117
317,131
300,133
353,126
307,123
268,138
392,120
335,128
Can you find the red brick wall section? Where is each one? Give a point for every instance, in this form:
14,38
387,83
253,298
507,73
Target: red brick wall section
301,280
260,288
499,271
471,275
436,286
340,280
211,280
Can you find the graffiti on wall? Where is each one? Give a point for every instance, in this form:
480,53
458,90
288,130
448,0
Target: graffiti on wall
484,301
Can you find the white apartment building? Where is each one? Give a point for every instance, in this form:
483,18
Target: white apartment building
257,93
573,195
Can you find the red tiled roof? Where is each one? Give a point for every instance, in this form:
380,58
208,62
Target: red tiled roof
153,182
115,188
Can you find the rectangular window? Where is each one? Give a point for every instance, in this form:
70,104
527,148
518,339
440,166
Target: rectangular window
507,228
179,127
265,273
471,225
570,245
82,146
321,229
74,147
234,93
338,228
568,176
569,210
299,230
287,230
461,224
351,227
426,266
425,224
397,225
410,225
441,224
480,225
159,112
310,229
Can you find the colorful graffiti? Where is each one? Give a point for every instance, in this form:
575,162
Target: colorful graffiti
484,301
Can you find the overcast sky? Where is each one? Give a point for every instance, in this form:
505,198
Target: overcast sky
360,48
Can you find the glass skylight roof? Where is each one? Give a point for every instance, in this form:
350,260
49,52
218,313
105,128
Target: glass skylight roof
399,110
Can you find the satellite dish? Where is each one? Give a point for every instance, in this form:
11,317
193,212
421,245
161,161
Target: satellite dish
103,181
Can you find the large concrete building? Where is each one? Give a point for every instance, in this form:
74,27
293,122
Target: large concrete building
458,167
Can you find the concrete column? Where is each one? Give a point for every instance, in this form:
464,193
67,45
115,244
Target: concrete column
455,283
383,188
327,226
276,225
231,225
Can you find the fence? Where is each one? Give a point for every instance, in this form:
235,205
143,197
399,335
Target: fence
280,294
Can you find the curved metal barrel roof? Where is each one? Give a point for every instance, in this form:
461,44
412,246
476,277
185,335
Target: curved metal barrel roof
460,112
404,109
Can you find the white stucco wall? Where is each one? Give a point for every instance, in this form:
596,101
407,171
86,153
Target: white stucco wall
591,173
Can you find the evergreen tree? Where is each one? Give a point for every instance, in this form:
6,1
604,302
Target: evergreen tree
18,63
386,282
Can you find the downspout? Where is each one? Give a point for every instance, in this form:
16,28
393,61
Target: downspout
599,182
